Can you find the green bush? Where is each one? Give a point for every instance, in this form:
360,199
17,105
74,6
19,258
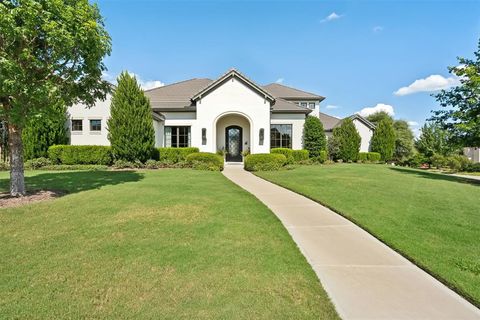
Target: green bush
383,139
314,139
4,166
472,167
322,156
174,155
363,156
416,160
264,161
205,161
152,164
89,167
457,162
37,163
288,153
438,161
373,156
300,155
347,140
123,164
66,154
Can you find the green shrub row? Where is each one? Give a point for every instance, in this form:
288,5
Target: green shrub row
369,156
205,161
454,162
293,156
67,154
264,161
173,155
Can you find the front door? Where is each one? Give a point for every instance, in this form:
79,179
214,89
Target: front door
233,143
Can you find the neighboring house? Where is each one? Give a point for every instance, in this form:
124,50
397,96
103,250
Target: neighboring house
231,113
472,153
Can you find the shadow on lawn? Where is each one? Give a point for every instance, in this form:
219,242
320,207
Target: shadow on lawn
75,181
436,176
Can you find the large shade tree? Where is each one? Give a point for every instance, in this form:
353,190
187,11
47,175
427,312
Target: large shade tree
461,113
51,54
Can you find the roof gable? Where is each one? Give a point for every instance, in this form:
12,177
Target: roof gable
227,76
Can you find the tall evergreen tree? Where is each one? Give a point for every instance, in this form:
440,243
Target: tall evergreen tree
130,127
314,139
403,140
43,131
348,140
383,140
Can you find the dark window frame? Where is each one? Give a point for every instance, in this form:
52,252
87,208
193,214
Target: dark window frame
74,127
281,135
95,127
180,136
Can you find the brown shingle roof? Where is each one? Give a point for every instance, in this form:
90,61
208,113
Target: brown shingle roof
284,106
329,122
281,91
176,95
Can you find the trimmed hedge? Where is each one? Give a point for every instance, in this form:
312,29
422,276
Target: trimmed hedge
173,155
288,153
373,156
205,161
363,156
67,154
264,161
322,156
301,155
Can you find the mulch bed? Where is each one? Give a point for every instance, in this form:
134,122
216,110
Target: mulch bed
7,201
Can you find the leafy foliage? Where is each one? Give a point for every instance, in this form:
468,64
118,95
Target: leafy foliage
43,131
376,117
130,126
205,161
264,161
462,103
434,140
404,148
173,155
300,155
66,154
347,139
288,153
314,139
383,140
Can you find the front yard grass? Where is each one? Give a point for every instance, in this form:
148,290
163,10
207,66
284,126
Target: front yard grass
433,219
169,244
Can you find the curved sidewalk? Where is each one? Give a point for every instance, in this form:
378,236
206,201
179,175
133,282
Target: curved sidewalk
364,278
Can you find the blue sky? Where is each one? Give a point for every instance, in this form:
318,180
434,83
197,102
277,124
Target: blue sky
355,53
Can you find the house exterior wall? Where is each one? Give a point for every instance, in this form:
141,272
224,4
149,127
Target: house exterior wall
232,97
232,120
297,120
365,133
472,153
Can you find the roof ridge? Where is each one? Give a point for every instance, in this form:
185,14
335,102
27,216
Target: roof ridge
178,82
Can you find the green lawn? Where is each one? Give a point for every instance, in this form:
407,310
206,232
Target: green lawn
167,244
432,219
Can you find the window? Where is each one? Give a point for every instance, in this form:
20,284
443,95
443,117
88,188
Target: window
303,104
77,125
311,105
281,136
177,137
95,125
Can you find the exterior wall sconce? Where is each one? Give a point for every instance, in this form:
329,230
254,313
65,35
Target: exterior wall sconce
204,136
261,136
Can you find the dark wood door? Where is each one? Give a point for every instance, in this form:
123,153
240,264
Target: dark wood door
233,143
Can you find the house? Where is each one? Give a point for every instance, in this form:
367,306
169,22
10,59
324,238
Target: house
472,153
231,113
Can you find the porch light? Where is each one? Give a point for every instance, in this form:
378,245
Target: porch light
261,136
204,136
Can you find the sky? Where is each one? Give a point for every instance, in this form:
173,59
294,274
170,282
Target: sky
363,56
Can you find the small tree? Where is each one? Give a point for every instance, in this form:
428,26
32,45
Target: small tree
314,139
435,140
383,140
130,127
348,140
403,141
43,131
50,53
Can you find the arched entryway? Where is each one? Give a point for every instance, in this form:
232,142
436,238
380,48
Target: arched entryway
233,136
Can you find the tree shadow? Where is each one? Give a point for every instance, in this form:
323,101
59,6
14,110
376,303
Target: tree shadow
436,176
75,181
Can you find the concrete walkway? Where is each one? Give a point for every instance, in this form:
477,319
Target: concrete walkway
364,278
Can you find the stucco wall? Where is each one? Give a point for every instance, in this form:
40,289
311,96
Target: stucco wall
233,120
232,97
297,121
365,133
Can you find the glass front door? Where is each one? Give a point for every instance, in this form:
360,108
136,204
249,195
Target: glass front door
233,143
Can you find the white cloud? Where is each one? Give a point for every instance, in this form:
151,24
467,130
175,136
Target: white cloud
431,83
377,29
412,123
144,84
331,106
279,80
365,112
332,16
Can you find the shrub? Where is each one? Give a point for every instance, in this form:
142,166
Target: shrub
37,163
373,156
264,161
322,156
130,127
363,156
4,166
457,162
472,167
348,140
66,154
89,167
288,153
416,160
314,139
438,161
205,161
300,155
123,164
152,164
383,139
174,155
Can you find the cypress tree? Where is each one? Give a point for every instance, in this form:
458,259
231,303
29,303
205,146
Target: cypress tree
314,139
44,130
348,140
130,127
383,140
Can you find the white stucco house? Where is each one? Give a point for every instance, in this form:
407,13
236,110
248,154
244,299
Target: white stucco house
231,113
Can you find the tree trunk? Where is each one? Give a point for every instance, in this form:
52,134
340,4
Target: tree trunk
17,180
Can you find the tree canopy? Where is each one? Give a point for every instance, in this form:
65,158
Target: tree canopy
314,139
461,113
434,140
51,54
376,117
